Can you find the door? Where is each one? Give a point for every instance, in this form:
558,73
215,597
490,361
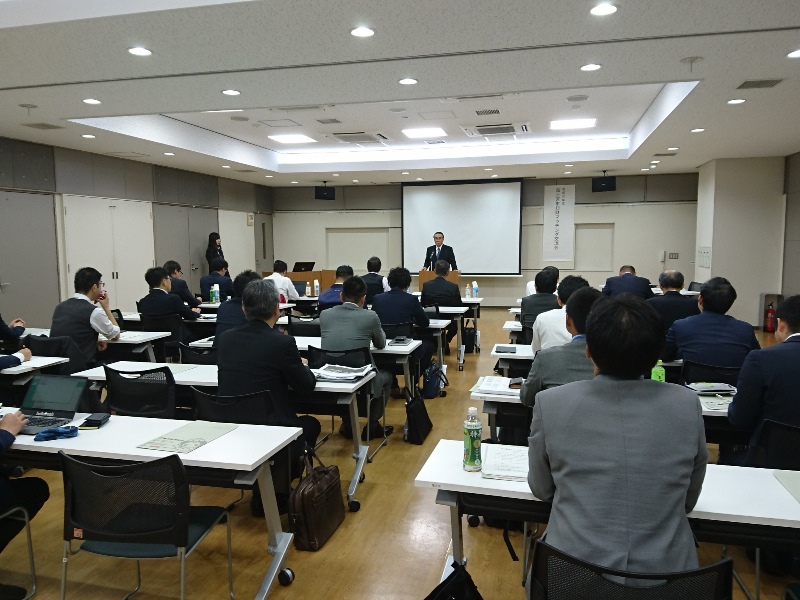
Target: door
132,224
171,233
202,221
89,239
29,269
264,246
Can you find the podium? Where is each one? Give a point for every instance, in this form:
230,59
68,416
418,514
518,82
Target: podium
425,276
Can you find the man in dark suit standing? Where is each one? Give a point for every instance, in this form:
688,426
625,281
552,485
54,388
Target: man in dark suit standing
672,305
712,337
439,251
219,266
159,302
179,287
627,282
442,292
769,379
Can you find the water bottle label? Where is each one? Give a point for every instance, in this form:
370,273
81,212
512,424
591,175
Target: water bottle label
472,448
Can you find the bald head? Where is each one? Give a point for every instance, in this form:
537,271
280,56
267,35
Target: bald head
671,281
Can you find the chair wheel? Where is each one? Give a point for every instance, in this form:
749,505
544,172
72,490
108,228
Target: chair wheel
286,576
354,505
362,477
442,393
460,367
473,520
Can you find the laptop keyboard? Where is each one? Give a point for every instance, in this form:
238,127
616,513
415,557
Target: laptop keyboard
46,422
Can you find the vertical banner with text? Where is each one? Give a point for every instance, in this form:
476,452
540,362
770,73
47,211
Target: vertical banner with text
558,237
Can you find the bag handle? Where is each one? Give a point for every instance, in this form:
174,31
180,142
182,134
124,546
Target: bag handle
308,459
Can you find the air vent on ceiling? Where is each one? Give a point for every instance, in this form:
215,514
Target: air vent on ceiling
126,154
280,123
245,170
434,142
664,154
42,126
370,144
359,137
297,108
499,96
755,84
328,121
499,129
487,111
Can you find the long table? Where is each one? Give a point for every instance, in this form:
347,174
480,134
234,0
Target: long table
242,455
343,394
141,341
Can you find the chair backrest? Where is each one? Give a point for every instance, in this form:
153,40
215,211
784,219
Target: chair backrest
192,356
359,357
393,330
693,372
118,316
146,393
253,409
776,447
432,310
171,323
574,579
304,327
131,503
62,346
695,286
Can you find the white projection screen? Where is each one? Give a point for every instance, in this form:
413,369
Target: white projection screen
481,221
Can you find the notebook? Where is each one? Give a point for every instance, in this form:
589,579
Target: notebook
51,401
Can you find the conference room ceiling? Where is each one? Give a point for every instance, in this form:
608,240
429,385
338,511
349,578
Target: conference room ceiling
300,71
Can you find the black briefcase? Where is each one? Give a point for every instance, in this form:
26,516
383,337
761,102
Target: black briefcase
456,586
418,422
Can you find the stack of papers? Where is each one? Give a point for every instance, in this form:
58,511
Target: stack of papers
711,389
496,386
715,402
340,373
509,463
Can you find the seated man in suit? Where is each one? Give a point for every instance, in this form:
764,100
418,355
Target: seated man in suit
376,283
29,493
285,285
230,313
86,315
627,282
621,458
159,302
712,337
443,293
530,288
770,379
550,327
672,306
397,306
12,332
348,327
439,251
540,301
179,287
219,268
333,295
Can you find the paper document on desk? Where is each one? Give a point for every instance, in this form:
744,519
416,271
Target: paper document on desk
509,463
716,402
189,437
710,389
791,481
497,385
340,373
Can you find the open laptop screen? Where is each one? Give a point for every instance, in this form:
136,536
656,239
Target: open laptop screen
54,393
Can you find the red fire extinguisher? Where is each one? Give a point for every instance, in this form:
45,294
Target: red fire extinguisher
769,320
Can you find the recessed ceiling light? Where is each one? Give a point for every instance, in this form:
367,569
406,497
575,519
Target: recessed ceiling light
424,132
139,51
567,172
407,81
569,165
269,176
362,32
92,101
231,92
487,169
88,136
698,130
795,54
736,101
653,166
591,67
573,124
603,9
495,175
673,149
226,166
335,174
419,179
224,110
654,162
404,173
292,138
355,180
169,154
295,182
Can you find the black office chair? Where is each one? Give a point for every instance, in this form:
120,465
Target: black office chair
777,446
559,576
401,330
303,327
62,346
197,356
695,286
149,393
18,513
693,372
432,310
118,317
136,511
165,346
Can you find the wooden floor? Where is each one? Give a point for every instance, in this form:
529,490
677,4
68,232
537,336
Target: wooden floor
394,547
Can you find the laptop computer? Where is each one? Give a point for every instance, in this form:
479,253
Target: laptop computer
51,401
299,267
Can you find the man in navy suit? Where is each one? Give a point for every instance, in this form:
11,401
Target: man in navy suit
219,266
159,302
627,282
439,251
179,287
769,380
712,337
672,306
444,293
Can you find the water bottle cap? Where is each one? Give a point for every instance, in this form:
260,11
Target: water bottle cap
472,412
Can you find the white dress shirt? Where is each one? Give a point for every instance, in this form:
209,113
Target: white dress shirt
99,319
550,329
285,286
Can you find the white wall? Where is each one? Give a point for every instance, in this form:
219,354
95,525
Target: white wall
239,239
705,217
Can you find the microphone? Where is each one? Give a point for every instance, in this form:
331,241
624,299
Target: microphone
430,265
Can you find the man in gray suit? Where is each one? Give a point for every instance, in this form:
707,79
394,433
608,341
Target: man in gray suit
563,364
621,458
347,327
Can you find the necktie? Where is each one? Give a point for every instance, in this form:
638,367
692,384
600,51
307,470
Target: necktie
437,252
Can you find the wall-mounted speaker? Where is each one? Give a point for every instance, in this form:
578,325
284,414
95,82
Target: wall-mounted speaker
604,184
324,193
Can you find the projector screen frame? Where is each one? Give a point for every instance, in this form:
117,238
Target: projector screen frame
519,180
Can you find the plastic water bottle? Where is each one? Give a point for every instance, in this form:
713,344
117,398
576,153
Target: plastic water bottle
308,288
316,287
211,295
658,373
467,291
216,293
475,289
473,429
